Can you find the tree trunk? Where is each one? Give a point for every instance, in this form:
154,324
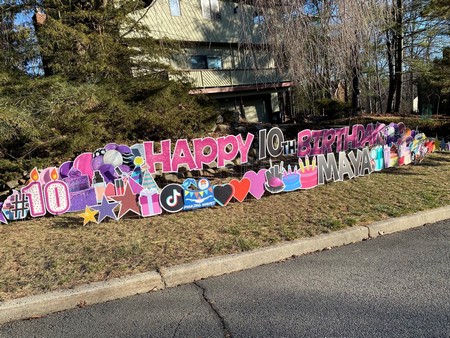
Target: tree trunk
398,55
355,90
392,87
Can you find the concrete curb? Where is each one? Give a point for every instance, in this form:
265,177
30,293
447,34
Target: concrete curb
408,222
40,305
215,266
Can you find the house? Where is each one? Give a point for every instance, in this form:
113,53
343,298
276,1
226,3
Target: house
224,58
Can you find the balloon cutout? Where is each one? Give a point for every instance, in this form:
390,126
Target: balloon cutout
65,168
83,163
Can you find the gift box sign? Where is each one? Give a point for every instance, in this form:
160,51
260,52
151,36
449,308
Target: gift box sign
80,192
79,200
149,202
76,181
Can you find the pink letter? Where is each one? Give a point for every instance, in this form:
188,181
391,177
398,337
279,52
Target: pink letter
223,155
182,155
244,147
340,138
367,140
304,147
317,138
163,157
353,141
199,151
328,140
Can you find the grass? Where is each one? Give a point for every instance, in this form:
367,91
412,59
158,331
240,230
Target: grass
51,253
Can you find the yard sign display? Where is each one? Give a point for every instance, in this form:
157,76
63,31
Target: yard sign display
117,180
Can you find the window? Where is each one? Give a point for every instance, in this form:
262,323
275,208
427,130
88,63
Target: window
214,62
199,62
210,9
258,19
206,62
175,9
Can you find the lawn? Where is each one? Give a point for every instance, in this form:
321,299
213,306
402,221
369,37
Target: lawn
51,253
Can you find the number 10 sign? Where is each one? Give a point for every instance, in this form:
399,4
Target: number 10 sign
54,197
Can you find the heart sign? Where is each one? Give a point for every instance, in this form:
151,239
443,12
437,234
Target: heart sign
223,194
257,181
241,188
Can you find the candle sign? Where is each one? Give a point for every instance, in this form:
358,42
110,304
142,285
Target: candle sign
56,195
54,198
35,197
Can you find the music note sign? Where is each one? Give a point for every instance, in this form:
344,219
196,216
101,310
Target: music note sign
171,198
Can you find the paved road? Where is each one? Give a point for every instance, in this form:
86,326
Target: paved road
392,286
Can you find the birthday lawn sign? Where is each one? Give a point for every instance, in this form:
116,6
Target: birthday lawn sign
117,180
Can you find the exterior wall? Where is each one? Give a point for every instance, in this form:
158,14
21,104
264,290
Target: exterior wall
247,78
192,26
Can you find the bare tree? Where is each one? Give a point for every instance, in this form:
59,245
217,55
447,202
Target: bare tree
319,43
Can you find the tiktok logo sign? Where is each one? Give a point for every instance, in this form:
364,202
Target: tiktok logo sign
171,198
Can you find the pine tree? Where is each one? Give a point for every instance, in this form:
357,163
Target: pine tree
93,41
101,81
17,41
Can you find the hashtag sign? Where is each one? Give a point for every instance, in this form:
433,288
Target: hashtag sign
19,206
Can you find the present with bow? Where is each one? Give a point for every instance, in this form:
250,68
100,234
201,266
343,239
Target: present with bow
80,191
149,202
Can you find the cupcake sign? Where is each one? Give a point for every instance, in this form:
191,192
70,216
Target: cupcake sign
117,180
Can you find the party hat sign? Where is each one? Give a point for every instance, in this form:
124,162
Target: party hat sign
148,182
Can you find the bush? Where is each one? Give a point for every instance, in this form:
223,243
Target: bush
333,108
46,121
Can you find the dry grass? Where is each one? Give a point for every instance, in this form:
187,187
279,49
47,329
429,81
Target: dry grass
52,253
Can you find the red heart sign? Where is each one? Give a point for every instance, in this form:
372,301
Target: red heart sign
241,188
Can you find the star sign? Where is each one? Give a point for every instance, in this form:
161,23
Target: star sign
106,209
128,202
88,215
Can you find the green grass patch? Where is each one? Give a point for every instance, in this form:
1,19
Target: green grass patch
51,253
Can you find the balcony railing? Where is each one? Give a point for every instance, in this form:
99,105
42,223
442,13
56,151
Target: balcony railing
233,77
